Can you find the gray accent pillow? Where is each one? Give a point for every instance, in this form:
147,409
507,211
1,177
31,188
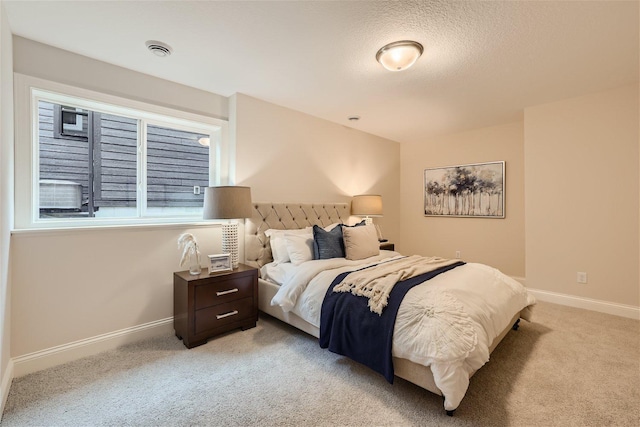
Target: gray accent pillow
327,244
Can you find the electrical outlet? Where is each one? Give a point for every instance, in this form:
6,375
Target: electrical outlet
196,189
582,277
458,254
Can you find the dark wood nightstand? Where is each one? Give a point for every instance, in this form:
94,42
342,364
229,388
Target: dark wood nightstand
387,246
210,304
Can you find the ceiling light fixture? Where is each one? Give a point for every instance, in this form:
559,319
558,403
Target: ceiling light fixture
354,118
400,55
158,48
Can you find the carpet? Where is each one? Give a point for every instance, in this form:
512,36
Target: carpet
569,367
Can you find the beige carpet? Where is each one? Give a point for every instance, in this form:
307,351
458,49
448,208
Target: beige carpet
569,367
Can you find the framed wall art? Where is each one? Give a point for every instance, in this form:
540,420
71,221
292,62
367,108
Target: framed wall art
473,191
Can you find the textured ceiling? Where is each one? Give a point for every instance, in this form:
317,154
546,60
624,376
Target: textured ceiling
483,62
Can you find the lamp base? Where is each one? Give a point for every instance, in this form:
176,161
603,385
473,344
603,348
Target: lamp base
230,241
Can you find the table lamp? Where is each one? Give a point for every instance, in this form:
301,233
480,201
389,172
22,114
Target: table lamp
228,202
367,205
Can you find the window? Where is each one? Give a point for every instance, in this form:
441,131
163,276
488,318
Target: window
95,162
90,164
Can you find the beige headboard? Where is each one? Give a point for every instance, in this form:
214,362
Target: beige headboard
285,216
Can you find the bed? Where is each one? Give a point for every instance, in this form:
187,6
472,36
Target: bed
450,379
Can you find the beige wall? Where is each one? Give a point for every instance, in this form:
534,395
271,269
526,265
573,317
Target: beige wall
497,242
582,195
288,156
73,285
6,199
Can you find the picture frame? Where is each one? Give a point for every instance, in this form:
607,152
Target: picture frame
475,190
219,263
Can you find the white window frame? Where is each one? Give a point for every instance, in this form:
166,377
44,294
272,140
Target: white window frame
30,90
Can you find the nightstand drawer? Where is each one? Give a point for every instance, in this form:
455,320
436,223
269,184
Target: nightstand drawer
223,314
222,291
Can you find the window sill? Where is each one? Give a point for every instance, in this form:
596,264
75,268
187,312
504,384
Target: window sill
66,229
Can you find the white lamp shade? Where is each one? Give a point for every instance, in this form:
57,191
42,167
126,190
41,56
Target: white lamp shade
398,56
366,205
227,202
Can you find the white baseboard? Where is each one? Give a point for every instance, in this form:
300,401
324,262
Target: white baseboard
623,310
36,361
5,385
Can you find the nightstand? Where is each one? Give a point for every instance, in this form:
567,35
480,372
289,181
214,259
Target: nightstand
210,304
387,246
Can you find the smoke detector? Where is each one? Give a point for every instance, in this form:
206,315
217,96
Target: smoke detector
158,48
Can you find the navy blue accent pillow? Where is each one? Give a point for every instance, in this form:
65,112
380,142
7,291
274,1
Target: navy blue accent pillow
327,244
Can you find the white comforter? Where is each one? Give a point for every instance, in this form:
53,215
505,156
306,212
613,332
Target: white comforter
485,298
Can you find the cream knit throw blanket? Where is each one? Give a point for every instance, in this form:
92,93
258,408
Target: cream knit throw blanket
376,282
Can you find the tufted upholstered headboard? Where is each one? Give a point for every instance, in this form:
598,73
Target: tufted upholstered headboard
285,216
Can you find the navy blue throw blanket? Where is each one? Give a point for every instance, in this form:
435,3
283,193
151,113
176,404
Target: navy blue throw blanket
348,327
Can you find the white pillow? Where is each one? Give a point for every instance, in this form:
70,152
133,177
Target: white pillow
360,242
278,245
300,247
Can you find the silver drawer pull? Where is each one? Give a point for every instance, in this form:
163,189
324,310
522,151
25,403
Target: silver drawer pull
230,291
222,316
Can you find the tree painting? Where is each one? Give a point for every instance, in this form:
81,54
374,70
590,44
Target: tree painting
475,190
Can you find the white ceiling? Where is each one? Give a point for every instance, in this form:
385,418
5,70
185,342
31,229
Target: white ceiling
483,62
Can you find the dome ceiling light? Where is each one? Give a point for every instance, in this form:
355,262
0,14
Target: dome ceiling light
400,55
